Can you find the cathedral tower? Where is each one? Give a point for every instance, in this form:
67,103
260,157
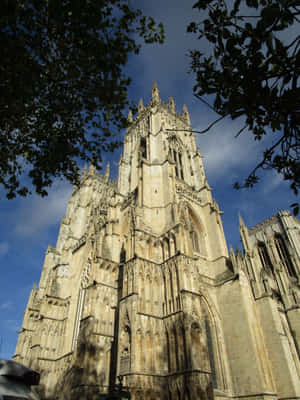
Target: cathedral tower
140,285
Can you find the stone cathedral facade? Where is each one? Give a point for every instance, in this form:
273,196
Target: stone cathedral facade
141,284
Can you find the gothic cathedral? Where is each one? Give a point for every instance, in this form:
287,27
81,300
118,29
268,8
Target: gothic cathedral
141,286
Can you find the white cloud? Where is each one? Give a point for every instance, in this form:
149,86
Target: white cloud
4,246
226,156
273,181
37,214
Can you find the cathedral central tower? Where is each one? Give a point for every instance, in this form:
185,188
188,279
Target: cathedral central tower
162,171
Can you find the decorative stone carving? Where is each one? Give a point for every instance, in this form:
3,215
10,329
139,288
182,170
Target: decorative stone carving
62,270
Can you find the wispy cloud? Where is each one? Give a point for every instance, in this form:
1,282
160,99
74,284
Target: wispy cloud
38,214
224,154
272,182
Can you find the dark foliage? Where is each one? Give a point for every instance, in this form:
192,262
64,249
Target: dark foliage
253,73
63,86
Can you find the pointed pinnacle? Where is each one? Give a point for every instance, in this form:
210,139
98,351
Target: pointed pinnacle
107,171
92,169
172,103
186,114
84,171
241,221
155,93
141,106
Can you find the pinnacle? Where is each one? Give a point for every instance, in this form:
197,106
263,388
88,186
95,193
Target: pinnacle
129,118
241,221
107,172
154,86
186,114
141,106
155,93
172,103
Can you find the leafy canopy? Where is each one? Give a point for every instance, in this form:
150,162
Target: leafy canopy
253,73
63,85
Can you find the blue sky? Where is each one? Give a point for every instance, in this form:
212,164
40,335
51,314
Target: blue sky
29,225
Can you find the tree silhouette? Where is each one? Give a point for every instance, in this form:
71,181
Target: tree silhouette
253,72
63,85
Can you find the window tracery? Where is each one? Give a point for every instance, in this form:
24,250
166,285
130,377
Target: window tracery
143,147
284,255
178,164
264,256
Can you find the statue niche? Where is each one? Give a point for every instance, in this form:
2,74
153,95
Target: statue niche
125,349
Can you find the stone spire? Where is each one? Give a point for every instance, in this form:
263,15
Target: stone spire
84,172
155,94
141,106
92,169
129,118
186,114
172,103
107,172
244,233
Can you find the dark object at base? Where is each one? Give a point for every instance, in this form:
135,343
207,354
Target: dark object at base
117,391
16,381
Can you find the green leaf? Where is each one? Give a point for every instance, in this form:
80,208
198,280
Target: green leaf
270,14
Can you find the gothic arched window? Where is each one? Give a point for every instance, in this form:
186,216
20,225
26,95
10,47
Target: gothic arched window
178,164
195,232
143,147
195,241
210,352
284,255
264,256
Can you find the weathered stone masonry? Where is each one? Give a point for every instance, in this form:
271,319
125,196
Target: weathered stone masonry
140,284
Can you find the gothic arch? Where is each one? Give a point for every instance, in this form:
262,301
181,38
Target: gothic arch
194,228
213,330
264,256
143,146
177,151
283,255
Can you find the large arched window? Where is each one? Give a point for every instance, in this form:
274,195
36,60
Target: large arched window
196,234
210,352
214,347
178,164
284,255
143,147
264,256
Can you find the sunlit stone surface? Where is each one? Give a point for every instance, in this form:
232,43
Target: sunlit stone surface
140,284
